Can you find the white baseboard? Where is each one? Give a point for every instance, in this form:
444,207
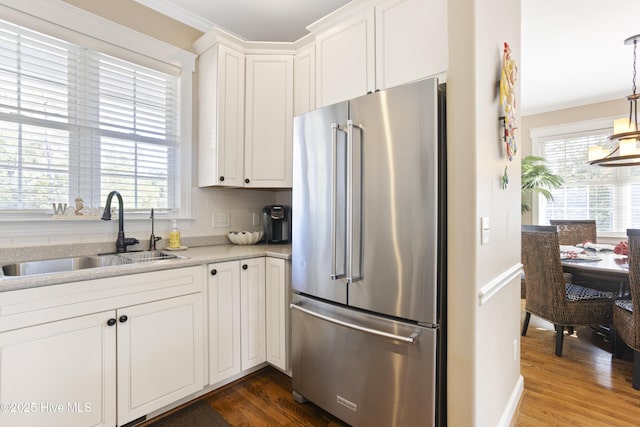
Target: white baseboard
512,406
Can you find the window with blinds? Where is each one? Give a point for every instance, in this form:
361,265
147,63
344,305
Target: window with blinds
611,196
78,123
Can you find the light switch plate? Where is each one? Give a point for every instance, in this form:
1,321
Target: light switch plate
485,228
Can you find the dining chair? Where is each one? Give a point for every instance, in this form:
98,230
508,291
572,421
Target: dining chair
549,296
574,231
626,313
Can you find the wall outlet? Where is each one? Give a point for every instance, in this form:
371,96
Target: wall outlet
256,218
516,350
220,220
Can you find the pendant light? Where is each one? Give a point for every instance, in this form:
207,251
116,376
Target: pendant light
625,131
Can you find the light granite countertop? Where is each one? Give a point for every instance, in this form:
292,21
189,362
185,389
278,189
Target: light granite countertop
192,256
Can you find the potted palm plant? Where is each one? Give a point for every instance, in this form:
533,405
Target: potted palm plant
537,178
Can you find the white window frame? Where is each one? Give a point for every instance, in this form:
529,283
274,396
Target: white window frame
67,22
537,134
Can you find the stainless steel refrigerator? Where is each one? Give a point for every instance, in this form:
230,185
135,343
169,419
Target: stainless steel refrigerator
369,257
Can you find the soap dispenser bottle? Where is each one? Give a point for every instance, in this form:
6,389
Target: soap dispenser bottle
174,235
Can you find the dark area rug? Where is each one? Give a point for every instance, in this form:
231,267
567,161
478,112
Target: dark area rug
198,414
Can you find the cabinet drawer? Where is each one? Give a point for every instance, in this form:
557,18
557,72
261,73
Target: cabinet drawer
29,307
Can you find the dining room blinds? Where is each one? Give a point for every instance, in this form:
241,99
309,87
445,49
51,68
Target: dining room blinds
78,123
611,196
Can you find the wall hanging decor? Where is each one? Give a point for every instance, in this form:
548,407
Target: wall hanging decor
508,108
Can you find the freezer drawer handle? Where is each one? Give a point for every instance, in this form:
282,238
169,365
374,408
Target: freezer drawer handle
411,339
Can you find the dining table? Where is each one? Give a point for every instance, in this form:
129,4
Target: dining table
604,270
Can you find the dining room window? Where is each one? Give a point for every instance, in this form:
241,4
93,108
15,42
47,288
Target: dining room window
611,196
75,122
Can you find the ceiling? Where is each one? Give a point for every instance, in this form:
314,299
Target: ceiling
573,51
255,20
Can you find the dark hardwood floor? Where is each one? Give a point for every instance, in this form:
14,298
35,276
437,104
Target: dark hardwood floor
264,399
260,399
584,387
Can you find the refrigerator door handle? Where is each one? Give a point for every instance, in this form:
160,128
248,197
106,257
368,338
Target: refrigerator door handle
334,203
354,206
411,339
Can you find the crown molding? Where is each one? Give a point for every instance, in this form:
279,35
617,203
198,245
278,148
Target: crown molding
353,8
58,14
178,13
219,35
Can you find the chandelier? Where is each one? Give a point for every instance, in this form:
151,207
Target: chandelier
625,131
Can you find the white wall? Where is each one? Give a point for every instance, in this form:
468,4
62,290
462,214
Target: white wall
484,304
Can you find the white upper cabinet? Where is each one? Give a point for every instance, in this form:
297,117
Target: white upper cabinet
304,92
249,93
391,43
411,40
345,60
245,118
268,158
221,117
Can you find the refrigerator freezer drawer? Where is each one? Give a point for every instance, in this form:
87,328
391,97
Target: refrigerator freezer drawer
362,368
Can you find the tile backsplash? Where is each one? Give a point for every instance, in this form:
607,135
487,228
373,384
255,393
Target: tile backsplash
214,212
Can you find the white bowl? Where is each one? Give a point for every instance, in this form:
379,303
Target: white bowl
245,237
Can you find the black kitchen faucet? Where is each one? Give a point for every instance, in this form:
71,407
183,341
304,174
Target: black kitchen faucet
121,242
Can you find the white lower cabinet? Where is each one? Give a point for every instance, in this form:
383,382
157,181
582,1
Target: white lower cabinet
59,374
236,317
106,352
252,315
224,320
160,347
103,352
278,326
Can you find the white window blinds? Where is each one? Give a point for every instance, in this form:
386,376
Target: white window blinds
78,123
611,196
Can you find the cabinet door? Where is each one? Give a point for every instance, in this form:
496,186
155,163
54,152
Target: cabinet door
224,320
269,121
221,117
411,40
277,283
160,354
60,373
345,60
304,87
252,312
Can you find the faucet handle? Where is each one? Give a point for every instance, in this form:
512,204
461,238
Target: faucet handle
128,241
152,242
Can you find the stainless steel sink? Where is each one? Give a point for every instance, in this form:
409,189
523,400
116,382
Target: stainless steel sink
30,268
146,256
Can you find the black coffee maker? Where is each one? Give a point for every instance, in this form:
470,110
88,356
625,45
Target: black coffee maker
277,223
